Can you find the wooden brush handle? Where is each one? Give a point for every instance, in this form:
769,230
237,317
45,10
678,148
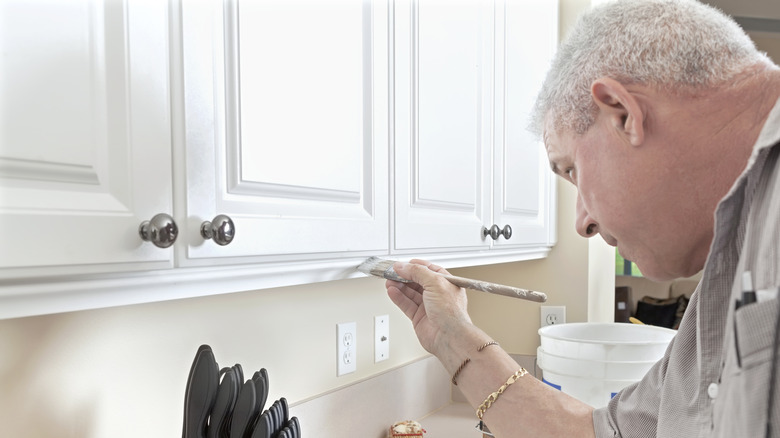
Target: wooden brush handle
498,289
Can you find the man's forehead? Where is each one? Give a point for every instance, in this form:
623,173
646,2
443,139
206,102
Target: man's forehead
551,140
548,132
552,155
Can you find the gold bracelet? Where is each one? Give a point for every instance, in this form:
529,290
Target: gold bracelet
486,345
460,368
463,365
494,396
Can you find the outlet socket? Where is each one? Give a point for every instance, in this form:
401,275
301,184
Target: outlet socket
553,315
346,348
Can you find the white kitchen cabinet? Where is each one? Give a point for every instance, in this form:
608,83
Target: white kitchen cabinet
327,131
524,193
85,152
285,128
443,132
466,76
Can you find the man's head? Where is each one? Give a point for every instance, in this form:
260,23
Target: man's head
678,46
632,114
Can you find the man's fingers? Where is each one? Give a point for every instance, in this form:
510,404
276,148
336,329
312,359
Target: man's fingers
420,272
413,291
407,305
429,265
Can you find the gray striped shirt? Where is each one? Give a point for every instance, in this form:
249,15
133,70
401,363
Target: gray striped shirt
716,377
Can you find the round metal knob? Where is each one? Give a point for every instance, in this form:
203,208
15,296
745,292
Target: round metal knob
494,232
221,230
161,230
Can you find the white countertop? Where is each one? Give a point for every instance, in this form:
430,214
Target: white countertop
456,420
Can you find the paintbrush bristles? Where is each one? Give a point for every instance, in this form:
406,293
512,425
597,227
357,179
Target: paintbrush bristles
380,268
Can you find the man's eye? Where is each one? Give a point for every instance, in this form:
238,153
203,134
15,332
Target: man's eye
569,172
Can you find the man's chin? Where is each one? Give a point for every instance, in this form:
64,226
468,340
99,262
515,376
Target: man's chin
657,273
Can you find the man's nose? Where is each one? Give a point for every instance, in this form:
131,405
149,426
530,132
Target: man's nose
584,224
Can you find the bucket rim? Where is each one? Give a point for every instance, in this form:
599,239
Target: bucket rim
539,350
543,333
569,376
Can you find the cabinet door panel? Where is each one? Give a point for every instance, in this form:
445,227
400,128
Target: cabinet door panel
524,185
442,121
290,139
84,135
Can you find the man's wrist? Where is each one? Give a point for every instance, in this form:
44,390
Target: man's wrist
455,345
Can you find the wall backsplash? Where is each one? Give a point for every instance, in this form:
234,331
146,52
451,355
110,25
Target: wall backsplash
121,372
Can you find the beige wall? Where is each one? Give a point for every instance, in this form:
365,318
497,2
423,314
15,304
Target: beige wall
769,43
121,372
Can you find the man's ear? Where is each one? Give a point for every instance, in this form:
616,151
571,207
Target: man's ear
621,107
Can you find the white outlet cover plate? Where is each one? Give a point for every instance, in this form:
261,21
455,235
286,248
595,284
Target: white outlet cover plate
553,315
346,348
381,338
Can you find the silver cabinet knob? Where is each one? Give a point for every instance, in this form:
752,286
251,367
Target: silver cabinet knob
161,230
220,229
495,232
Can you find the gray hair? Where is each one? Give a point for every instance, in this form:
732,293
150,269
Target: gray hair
680,46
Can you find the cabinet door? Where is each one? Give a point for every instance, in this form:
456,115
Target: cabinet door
524,186
286,126
85,151
443,110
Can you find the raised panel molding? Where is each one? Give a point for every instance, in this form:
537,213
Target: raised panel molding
442,123
13,168
257,100
258,189
86,149
294,148
524,187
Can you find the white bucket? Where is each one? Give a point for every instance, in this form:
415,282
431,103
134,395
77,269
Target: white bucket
594,361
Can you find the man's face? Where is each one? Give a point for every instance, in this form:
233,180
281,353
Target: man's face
628,194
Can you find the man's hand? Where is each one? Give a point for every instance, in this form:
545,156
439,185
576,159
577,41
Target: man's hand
436,307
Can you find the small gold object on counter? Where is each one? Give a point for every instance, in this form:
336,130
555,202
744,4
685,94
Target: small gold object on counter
407,428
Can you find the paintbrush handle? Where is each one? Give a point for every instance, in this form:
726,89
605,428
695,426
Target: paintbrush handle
494,288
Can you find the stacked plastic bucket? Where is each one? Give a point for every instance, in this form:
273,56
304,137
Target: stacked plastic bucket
594,361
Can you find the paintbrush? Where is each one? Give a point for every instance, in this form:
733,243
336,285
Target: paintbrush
384,268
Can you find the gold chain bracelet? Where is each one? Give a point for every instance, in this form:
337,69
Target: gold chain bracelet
494,396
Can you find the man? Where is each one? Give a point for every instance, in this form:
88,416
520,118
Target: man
667,120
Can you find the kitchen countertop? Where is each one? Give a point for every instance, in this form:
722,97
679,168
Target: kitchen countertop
456,420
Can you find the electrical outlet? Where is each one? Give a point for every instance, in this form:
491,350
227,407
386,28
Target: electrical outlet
346,348
553,315
381,338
